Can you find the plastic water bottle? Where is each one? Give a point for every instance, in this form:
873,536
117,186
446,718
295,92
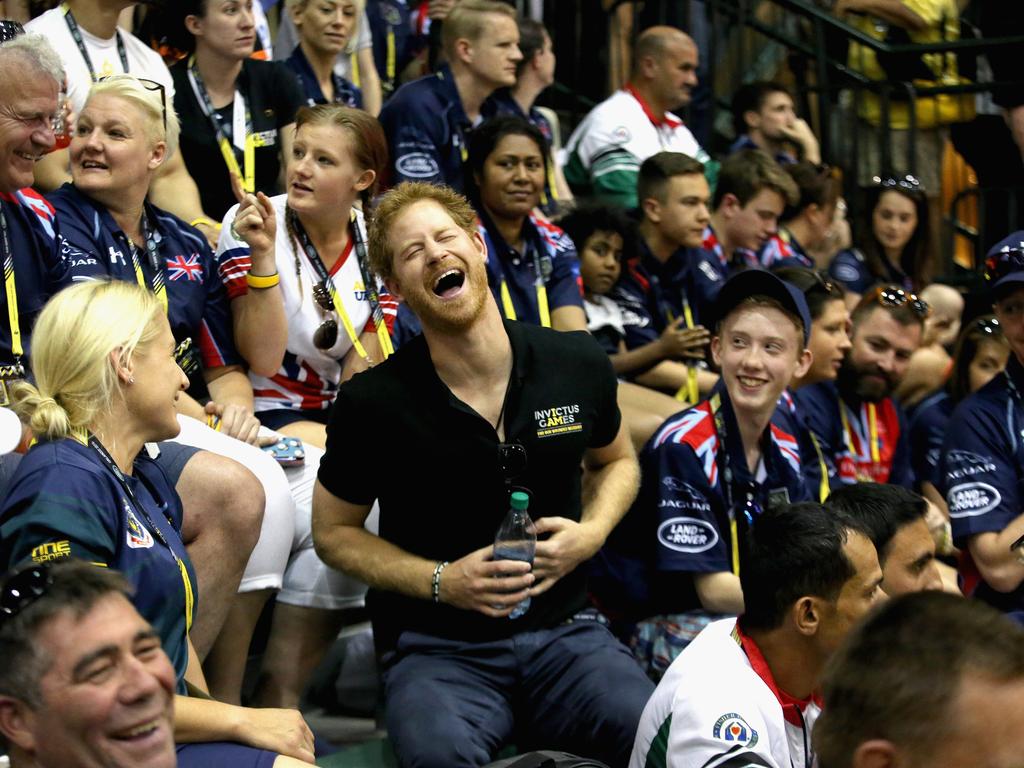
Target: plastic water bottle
516,539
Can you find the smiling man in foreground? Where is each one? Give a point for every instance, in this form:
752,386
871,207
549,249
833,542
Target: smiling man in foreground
447,428
83,679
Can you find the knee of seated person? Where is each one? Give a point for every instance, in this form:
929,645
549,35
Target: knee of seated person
237,498
244,503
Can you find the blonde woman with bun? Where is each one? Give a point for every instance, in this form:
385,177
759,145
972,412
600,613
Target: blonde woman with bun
107,382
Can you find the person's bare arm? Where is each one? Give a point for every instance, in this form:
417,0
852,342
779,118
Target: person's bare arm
232,402
369,81
353,363
283,731
174,190
1015,121
52,171
611,478
568,318
468,583
676,341
719,592
893,11
999,565
261,328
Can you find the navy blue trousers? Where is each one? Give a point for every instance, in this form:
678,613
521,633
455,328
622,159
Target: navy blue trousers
452,704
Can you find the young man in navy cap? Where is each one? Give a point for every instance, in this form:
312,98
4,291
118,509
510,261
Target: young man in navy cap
707,474
983,456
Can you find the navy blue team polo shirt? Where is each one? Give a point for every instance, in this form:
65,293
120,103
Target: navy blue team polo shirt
680,522
651,293
63,502
196,297
929,420
427,129
851,451
344,92
41,261
982,471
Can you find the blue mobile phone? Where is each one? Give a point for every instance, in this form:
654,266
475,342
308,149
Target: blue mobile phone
288,451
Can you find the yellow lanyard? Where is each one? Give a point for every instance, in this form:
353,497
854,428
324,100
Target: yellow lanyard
689,392
391,58
159,286
542,302
725,479
12,292
248,158
872,427
227,149
354,67
823,489
381,328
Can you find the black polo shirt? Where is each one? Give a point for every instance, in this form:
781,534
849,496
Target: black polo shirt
273,95
399,435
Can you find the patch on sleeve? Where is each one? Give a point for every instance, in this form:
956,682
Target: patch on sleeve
417,165
732,728
972,499
51,550
846,273
686,534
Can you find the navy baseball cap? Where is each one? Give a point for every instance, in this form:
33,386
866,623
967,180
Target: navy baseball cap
1004,264
758,282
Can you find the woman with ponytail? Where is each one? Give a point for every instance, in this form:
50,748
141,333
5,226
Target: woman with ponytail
309,273
107,382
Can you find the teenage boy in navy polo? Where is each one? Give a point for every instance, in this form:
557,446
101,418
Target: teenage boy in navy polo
467,411
673,563
750,196
428,120
670,282
982,458
861,429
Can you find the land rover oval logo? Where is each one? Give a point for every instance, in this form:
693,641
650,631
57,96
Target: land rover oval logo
687,534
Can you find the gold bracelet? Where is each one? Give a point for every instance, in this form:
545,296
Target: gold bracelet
262,281
207,222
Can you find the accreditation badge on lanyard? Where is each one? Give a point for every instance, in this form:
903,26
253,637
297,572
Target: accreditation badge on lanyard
242,137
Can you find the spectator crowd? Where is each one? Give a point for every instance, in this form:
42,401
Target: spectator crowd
289,323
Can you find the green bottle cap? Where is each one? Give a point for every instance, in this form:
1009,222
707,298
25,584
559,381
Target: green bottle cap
520,500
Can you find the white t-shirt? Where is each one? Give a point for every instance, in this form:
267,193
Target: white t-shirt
713,707
143,61
308,378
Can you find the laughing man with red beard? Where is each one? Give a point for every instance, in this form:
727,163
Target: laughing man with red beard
447,428
859,425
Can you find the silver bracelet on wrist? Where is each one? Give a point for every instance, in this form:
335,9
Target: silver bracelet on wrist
436,584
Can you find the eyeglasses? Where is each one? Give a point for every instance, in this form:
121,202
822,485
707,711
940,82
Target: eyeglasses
893,296
1008,259
907,182
187,357
22,589
149,85
511,460
326,336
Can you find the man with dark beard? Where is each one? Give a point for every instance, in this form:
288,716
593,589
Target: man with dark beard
441,434
856,420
